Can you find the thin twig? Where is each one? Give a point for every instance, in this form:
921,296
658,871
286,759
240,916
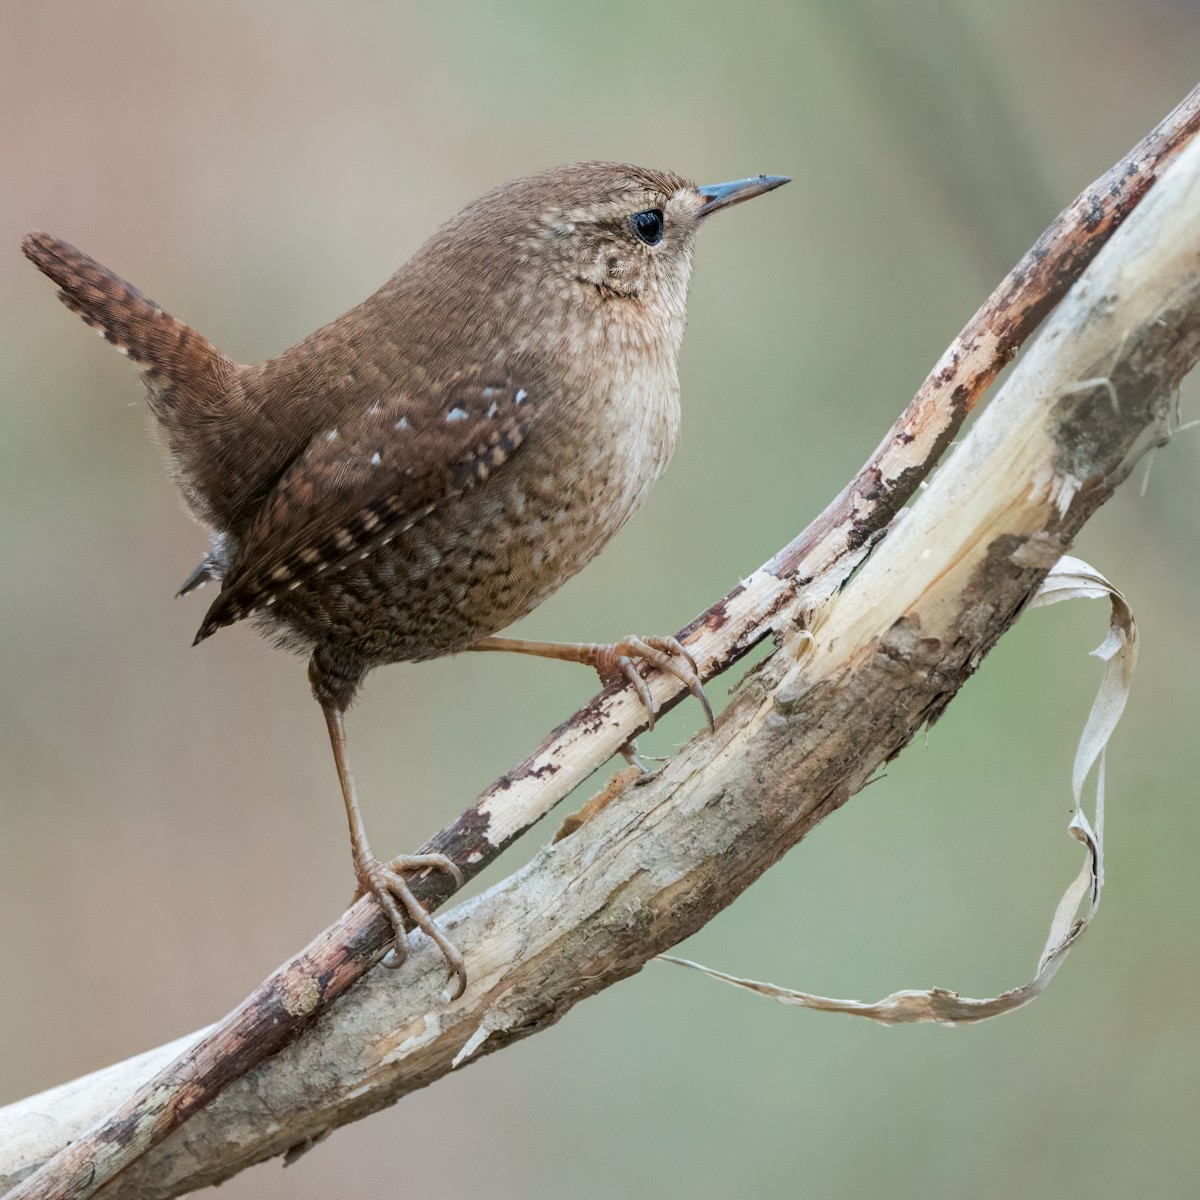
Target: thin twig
289,1001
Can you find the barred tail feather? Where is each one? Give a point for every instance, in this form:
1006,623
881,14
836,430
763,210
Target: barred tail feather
181,366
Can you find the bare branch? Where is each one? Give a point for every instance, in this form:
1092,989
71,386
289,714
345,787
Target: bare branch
663,856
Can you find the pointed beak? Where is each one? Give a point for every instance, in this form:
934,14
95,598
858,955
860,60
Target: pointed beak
722,195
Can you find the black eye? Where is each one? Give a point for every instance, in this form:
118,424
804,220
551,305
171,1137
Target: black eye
648,225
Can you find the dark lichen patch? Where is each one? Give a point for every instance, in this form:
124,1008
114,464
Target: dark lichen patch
1086,429
1094,214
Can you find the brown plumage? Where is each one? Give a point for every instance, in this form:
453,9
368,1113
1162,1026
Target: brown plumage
424,470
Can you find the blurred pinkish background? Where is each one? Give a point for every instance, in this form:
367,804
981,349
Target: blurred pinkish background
169,818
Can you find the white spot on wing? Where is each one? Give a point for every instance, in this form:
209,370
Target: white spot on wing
402,423
521,396
331,436
456,414
376,459
493,409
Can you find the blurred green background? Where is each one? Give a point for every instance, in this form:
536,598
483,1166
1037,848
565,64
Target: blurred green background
170,826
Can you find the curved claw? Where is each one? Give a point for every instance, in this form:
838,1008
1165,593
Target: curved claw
389,887
691,678
631,754
663,653
673,645
625,665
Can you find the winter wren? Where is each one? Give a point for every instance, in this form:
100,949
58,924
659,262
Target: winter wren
426,469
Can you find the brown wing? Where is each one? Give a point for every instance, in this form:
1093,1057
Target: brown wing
364,482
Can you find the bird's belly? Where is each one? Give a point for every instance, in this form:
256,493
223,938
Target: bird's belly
481,561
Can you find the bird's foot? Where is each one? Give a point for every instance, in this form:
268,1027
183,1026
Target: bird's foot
385,881
614,661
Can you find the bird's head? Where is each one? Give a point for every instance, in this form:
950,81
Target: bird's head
594,236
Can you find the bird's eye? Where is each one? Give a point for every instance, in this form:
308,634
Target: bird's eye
648,225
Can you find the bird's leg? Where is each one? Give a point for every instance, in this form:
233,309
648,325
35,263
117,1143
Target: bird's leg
384,880
613,661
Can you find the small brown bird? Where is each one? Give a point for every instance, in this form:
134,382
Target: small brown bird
426,469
